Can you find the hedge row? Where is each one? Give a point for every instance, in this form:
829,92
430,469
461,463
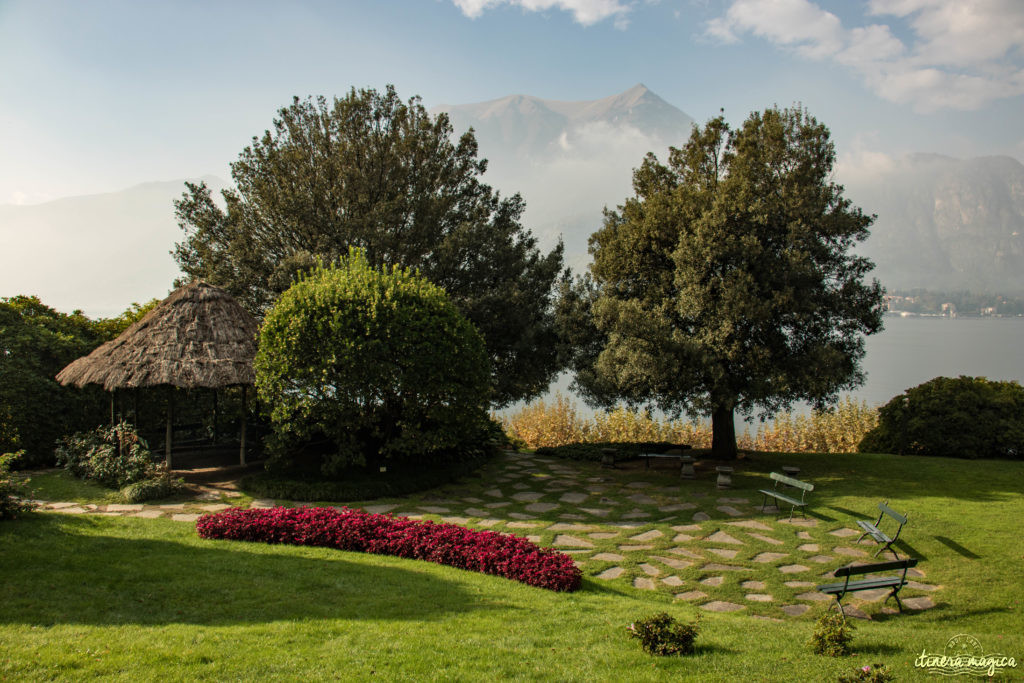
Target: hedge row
488,552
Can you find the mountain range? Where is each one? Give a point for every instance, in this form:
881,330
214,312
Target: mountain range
942,223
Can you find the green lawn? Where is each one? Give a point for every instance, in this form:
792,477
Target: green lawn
136,599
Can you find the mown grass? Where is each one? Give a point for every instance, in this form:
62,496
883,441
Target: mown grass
134,599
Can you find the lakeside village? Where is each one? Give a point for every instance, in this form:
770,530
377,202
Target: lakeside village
945,305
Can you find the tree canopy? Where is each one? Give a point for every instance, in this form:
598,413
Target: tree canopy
726,283
373,172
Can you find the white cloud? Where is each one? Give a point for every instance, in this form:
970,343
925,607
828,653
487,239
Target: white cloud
965,54
585,12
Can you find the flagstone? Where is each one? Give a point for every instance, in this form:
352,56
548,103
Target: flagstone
795,610
844,532
639,485
721,606
724,552
672,581
540,507
61,506
849,552
644,583
122,507
921,586
808,547
924,602
765,539
649,569
647,535
685,552
604,535
678,507
634,548
495,506
610,573
565,539
686,527
455,520
729,510
636,514
627,525
184,517
753,585
487,522
915,572
713,567
856,612
675,564
751,524
263,503
562,526
574,497
494,493
800,521
798,584
820,559
149,514
609,557
523,525
793,568
476,512
804,536
722,537
608,501
533,539
691,595
641,499
872,595
520,515
740,501
713,581
682,538
108,514
596,512
701,516
527,496
176,506
758,597
814,596
409,515
434,509
769,557
469,499
215,507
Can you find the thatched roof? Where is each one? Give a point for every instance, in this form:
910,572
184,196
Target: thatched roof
199,336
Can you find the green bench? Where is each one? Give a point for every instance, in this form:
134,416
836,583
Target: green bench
778,495
892,582
880,536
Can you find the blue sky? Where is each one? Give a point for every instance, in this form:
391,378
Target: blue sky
97,96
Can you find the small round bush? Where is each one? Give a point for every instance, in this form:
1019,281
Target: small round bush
832,635
661,634
110,456
12,493
379,365
965,417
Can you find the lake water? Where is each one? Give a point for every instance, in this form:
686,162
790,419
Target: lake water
913,350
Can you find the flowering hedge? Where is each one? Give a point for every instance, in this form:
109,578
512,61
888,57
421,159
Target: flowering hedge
487,552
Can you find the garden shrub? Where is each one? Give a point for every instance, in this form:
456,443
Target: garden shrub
380,363
12,494
661,634
160,485
488,552
110,456
832,635
965,417
876,673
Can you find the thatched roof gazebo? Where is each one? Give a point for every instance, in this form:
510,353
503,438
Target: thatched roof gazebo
198,337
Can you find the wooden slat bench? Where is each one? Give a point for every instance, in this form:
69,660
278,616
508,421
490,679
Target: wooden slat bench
874,532
778,495
892,582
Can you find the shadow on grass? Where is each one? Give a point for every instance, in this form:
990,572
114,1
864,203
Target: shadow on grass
877,649
907,551
66,572
847,511
956,547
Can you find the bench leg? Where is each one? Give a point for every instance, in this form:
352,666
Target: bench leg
893,595
839,604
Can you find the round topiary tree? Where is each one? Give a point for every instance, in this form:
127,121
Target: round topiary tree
381,364
966,417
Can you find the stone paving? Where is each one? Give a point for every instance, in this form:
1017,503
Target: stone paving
654,533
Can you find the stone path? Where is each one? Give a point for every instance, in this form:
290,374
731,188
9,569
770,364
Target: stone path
645,530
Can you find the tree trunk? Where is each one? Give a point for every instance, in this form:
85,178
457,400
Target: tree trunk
723,433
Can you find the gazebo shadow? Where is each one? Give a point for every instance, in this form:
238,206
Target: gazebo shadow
107,580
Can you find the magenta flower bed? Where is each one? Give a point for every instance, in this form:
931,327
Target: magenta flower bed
487,552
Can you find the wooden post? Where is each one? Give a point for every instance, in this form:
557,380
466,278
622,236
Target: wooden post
135,407
215,416
170,422
241,457
113,397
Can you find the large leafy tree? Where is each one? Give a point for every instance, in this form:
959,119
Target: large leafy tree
726,283
373,172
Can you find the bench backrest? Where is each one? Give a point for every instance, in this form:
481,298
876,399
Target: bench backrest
886,510
853,570
790,481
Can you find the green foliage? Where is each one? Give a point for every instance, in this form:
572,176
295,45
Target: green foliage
356,485
12,493
36,342
370,171
660,634
111,456
159,485
832,635
380,363
110,328
965,417
876,673
749,299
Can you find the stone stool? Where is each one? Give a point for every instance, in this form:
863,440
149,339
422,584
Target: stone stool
790,471
686,471
724,477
